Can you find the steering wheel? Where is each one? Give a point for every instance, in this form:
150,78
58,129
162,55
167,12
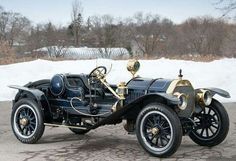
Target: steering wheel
98,72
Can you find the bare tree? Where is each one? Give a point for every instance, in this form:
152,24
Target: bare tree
50,37
149,33
14,30
204,35
228,47
227,6
105,31
19,27
4,20
55,41
76,24
13,27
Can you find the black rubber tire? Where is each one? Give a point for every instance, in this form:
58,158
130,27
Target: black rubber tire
39,129
223,129
176,129
79,131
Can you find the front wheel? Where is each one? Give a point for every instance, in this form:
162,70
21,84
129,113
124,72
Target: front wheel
212,125
27,121
159,130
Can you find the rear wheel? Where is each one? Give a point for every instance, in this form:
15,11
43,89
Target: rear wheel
27,121
158,130
212,125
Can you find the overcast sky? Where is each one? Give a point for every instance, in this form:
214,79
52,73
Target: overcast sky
58,11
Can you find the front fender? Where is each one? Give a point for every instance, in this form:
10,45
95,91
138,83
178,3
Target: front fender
132,107
218,91
170,99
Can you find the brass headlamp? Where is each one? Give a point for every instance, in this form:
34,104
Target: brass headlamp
204,97
183,101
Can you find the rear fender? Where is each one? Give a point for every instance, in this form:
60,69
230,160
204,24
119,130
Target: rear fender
37,96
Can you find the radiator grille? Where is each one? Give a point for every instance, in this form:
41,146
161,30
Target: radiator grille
134,94
188,90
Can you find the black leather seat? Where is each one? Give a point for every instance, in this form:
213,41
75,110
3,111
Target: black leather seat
81,80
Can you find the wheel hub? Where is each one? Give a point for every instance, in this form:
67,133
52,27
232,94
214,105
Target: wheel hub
207,121
24,121
155,131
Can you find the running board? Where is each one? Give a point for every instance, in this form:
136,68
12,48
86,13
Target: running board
65,126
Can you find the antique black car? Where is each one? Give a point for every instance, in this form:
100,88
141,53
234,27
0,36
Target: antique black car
159,111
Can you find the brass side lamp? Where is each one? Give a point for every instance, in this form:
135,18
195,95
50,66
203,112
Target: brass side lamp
133,66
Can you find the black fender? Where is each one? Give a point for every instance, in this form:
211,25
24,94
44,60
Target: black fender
134,107
37,96
214,91
158,97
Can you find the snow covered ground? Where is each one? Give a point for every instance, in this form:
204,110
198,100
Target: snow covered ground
85,52
219,73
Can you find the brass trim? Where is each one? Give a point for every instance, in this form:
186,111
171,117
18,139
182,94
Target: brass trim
185,100
65,126
155,131
172,86
175,83
133,66
200,97
116,106
178,83
122,90
110,89
100,76
24,121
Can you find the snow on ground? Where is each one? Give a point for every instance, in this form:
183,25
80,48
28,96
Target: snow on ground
219,73
85,52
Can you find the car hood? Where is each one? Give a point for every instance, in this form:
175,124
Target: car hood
148,84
